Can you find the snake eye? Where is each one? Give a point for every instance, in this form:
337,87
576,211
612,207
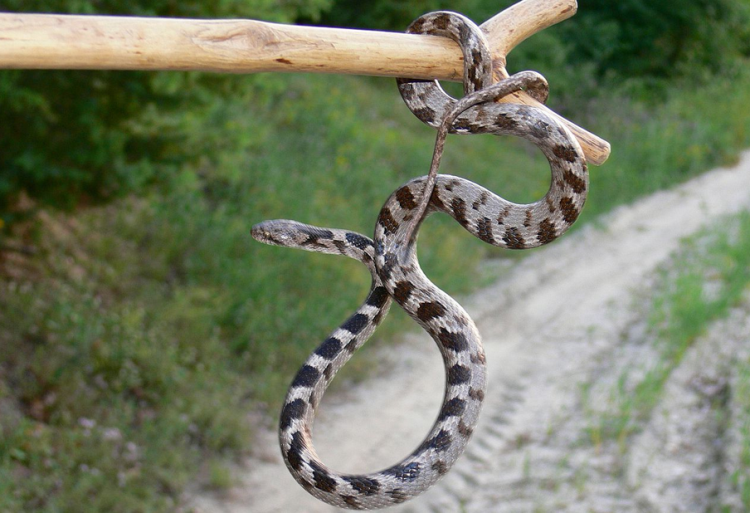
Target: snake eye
261,233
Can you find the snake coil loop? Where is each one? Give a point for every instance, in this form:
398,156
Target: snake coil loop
431,104
474,47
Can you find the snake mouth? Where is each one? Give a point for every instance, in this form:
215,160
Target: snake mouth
260,233
270,232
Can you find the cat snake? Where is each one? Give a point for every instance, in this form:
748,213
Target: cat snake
391,259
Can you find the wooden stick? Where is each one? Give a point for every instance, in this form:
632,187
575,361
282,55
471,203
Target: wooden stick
45,41
511,27
508,29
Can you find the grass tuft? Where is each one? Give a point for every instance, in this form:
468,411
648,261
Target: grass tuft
702,282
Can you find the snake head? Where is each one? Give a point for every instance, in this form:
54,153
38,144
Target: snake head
277,232
292,234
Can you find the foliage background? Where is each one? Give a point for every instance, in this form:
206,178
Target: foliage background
138,321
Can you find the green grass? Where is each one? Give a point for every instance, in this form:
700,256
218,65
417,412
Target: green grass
740,478
141,333
118,410
655,146
702,282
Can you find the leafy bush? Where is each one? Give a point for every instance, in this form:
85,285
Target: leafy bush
77,137
656,40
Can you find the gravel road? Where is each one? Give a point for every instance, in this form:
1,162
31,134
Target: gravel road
557,323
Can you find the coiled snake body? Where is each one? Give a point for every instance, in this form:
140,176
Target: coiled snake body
391,259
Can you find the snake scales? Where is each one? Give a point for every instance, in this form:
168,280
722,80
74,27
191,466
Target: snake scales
391,259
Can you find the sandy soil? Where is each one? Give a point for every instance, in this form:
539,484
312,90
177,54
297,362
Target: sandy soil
559,322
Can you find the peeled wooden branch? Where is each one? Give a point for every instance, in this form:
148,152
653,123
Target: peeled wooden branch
45,41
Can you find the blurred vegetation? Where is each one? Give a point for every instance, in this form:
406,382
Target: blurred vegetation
740,407
704,280
74,137
139,323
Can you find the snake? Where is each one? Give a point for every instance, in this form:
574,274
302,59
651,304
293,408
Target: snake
391,258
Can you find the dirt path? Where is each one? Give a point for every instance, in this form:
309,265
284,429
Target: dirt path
558,321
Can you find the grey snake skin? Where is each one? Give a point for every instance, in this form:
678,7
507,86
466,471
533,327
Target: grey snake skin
396,275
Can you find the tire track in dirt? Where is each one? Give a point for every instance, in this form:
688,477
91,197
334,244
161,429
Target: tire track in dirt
560,319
